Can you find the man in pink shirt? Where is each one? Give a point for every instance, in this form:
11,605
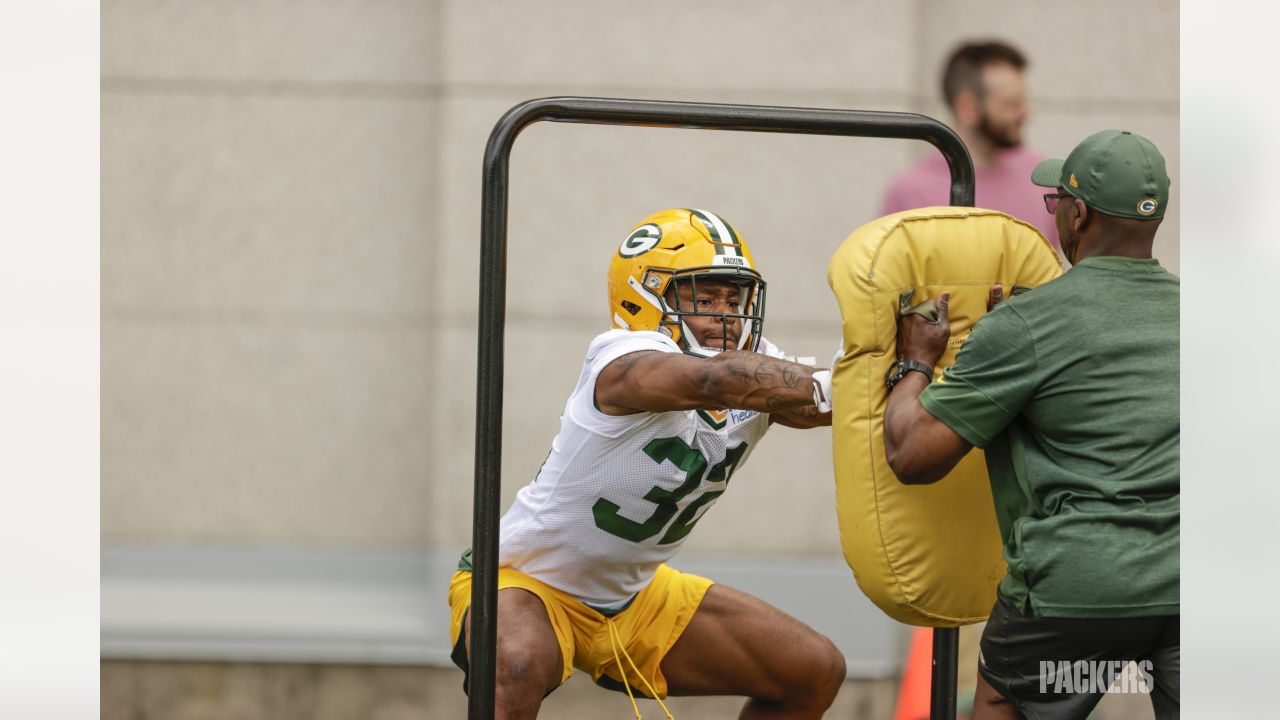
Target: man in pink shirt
985,88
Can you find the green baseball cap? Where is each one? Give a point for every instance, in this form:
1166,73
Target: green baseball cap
1115,172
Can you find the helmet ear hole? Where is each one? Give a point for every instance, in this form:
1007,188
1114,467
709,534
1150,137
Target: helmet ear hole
630,307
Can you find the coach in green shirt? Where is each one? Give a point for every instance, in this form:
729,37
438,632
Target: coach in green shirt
1072,392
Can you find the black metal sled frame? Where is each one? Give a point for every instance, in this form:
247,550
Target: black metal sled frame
493,304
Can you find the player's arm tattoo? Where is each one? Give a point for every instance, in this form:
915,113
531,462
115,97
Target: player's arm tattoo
614,392
659,381
763,374
628,361
752,381
790,375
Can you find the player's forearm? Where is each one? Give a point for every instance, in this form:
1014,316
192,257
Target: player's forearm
752,381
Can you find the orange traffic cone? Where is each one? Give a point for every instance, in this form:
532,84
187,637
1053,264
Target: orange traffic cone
917,673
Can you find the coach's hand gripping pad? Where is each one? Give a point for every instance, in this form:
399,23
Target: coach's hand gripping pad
926,554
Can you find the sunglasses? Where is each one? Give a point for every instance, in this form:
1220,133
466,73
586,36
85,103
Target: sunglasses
1051,201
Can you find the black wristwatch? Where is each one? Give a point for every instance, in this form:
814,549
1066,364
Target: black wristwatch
899,370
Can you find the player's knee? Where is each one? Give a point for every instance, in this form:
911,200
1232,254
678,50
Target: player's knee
830,673
526,667
820,672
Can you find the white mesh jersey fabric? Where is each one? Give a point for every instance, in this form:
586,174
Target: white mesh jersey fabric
611,501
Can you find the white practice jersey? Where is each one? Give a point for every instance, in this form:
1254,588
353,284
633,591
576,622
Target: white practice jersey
618,495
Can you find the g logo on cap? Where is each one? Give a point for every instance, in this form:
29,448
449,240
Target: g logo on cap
1147,206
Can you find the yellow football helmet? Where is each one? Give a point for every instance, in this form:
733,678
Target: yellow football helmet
683,245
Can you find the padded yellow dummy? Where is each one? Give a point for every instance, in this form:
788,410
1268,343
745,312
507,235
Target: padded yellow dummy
925,554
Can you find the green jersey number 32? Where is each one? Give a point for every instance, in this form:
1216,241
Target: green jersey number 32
694,464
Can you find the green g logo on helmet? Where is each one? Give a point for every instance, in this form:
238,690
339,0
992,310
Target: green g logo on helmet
641,240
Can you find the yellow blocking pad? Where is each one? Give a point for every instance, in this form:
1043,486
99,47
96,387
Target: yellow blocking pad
927,555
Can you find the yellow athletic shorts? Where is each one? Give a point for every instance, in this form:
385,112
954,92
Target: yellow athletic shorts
644,632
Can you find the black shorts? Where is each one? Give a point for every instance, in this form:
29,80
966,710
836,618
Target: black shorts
1051,668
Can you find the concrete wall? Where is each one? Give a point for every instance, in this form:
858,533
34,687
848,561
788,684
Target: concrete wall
290,229
290,214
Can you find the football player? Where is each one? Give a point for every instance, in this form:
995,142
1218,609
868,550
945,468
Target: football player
669,405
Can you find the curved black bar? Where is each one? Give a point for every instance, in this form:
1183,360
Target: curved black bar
493,287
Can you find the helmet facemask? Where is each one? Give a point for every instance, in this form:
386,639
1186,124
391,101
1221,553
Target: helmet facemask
749,317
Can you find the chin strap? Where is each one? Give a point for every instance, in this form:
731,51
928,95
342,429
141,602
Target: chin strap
693,347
